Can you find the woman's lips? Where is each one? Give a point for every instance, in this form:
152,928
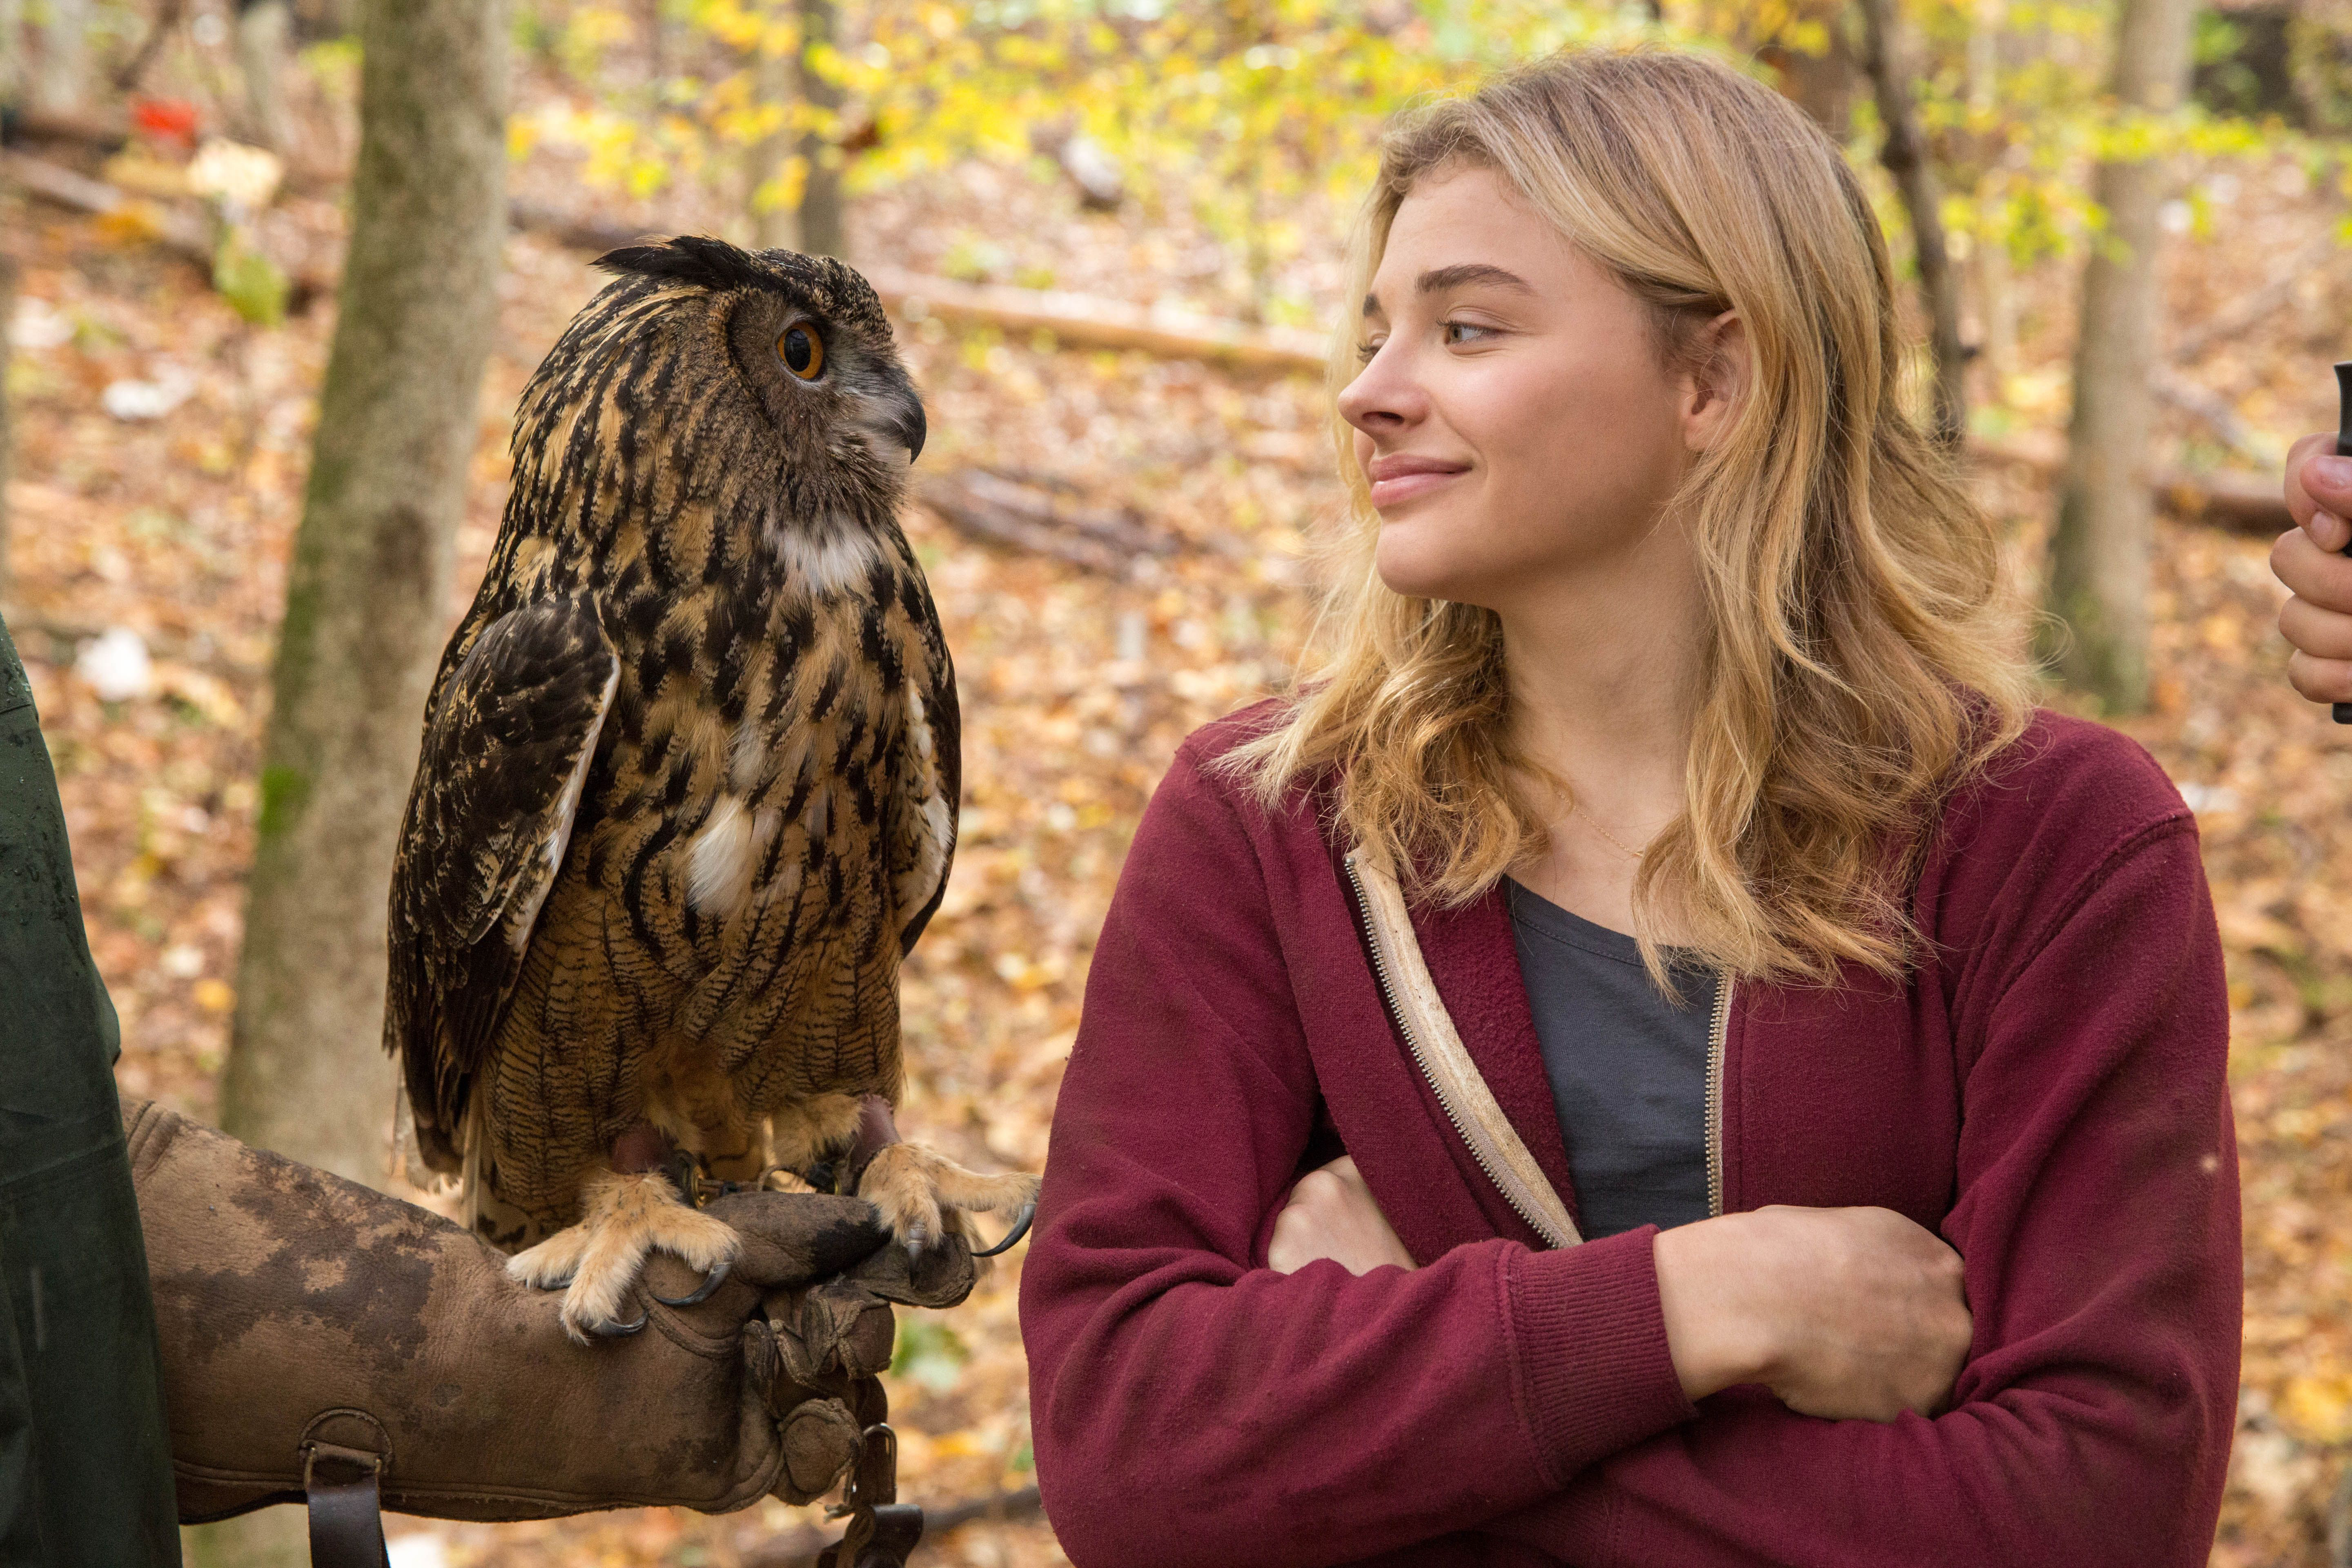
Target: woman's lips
1395,481
1387,493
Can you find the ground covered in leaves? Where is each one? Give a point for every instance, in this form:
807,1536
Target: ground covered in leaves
161,447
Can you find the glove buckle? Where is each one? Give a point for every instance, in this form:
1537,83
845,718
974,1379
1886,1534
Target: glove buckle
882,1531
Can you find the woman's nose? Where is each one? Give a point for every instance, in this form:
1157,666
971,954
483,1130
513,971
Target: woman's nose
1382,398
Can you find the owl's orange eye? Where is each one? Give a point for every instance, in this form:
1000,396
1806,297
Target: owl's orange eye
803,353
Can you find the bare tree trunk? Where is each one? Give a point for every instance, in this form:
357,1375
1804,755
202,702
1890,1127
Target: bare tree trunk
307,1071
7,435
820,211
364,608
1904,153
2099,556
12,51
263,28
657,38
776,226
65,56
1996,295
1821,85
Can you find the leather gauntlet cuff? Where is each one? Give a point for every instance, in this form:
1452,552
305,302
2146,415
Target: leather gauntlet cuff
301,1315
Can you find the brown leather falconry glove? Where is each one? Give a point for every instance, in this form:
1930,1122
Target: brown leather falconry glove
307,1321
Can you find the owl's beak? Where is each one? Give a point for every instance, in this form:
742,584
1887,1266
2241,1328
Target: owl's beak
902,415
911,426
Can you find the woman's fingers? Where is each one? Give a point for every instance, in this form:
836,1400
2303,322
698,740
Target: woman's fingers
2318,621
2319,491
2323,577
2320,633
1331,1214
2320,679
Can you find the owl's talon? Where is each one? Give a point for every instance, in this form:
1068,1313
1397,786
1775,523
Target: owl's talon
926,1198
600,1256
1020,1228
701,1293
621,1330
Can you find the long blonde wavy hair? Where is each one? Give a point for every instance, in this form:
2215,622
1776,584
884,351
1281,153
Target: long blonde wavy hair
1863,652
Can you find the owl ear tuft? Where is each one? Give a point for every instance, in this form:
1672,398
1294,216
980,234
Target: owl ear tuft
690,258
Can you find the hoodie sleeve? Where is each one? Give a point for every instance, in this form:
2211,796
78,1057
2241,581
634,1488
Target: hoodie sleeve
1189,1406
2097,1216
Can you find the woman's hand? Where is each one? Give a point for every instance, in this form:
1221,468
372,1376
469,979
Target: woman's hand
2318,621
1332,1215
1843,1313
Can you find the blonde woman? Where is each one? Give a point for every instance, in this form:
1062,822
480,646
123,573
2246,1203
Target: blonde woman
1659,1054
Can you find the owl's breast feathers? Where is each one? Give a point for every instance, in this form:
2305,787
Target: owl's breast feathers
725,808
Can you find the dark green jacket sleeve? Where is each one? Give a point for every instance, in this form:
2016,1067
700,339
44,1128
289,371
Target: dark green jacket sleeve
85,1464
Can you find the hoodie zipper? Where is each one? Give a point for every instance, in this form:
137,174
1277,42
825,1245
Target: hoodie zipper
1718,1031
1471,1138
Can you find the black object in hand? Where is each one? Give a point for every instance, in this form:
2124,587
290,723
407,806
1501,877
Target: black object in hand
2343,710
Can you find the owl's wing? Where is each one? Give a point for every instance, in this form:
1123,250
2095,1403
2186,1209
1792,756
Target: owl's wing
507,752
924,848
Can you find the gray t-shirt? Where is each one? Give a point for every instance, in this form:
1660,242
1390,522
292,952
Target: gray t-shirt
1628,1070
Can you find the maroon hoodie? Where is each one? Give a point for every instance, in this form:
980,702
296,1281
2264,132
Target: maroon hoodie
2048,1096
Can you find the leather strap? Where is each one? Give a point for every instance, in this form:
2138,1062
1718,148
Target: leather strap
882,1531
1445,1061
898,1527
346,1516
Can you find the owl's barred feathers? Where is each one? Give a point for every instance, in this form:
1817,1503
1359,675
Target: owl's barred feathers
701,596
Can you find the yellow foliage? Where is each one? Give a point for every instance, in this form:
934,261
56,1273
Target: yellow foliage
2319,1407
1245,114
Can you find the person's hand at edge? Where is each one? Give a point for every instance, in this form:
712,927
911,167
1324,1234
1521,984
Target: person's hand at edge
2318,621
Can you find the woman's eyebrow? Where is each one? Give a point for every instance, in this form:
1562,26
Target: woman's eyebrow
1460,274
1464,274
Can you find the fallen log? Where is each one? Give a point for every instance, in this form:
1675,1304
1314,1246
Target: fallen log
2236,500
171,228
1045,517
1081,320
2251,309
567,229
1084,321
180,227
104,135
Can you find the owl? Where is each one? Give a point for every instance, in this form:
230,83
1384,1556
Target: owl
688,789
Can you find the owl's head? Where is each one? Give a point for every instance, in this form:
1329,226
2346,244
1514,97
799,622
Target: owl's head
764,384
806,334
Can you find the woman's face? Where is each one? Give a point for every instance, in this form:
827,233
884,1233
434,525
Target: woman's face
1512,420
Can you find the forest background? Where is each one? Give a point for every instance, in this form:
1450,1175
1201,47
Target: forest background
1111,233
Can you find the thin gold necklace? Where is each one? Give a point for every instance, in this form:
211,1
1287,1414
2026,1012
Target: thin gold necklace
1613,838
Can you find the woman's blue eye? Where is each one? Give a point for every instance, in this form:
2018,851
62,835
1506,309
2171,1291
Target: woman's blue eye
1452,327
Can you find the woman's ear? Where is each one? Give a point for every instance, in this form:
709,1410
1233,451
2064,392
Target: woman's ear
1710,396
